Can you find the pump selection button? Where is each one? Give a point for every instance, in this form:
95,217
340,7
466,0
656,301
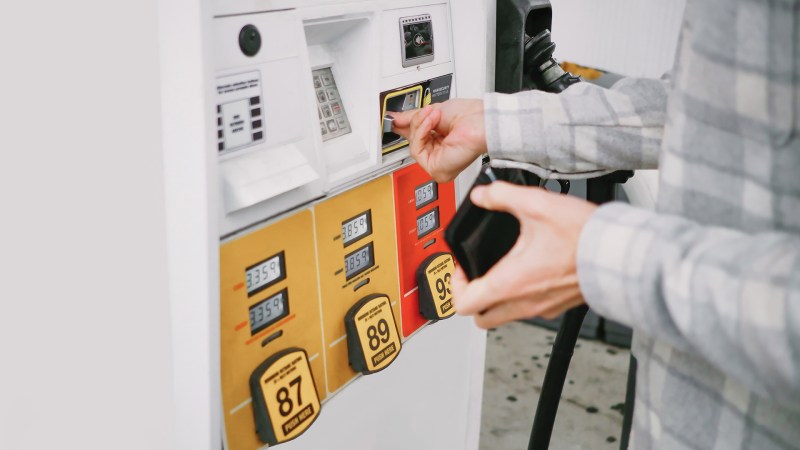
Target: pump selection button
433,278
373,341
285,400
249,40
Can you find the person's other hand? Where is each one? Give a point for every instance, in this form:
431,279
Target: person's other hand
538,276
444,138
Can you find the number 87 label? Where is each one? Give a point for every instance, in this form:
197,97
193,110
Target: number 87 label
372,338
285,401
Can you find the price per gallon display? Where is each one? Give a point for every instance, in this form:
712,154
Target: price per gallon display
372,338
262,275
285,401
433,277
427,222
356,228
425,194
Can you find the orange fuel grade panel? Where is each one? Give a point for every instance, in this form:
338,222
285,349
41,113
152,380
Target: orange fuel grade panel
269,303
424,209
357,258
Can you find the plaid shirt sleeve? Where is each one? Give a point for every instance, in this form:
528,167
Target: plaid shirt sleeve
584,130
732,297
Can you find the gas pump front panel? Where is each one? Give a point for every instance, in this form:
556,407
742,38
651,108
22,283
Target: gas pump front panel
424,208
269,302
322,234
356,242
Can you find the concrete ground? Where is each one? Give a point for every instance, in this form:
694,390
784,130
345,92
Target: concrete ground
590,412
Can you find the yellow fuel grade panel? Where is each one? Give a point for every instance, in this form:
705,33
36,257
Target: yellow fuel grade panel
269,302
357,248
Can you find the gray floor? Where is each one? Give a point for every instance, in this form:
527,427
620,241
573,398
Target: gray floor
590,413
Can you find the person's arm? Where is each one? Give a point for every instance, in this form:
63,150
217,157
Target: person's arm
581,130
732,297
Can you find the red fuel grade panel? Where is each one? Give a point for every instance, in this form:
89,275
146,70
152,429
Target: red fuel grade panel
424,209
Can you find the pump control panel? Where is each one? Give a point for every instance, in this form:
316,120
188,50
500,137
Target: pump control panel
357,248
331,249
423,210
269,303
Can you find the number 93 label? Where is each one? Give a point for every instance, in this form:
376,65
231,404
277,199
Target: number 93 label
285,401
372,338
433,278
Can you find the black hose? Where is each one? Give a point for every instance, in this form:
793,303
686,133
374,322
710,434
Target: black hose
554,377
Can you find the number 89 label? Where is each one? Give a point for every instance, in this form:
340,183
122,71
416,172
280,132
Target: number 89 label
285,401
372,338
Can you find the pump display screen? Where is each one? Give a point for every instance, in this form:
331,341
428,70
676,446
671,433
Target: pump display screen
266,273
417,39
357,227
359,261
268,311
426,193
427,222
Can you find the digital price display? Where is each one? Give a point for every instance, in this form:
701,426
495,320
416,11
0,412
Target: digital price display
266,273
417,34
267,312
427,222
357,227
426,194
359,261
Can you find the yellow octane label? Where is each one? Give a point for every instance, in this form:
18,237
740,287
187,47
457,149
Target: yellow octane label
439,273
377,333
290,395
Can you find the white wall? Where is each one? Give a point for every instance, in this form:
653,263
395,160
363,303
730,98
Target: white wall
84,311
629,37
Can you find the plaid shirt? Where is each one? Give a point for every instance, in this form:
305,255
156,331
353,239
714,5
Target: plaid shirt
711,281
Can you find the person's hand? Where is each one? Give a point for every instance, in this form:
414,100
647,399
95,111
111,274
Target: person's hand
444,138
538,276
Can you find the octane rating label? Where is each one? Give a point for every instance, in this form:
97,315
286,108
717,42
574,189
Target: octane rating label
290,395
439,272
377,333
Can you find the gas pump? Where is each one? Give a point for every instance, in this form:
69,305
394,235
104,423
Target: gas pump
332,259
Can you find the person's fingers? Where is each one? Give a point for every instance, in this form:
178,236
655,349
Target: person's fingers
403,119
513,199
420,138
548,308
458,282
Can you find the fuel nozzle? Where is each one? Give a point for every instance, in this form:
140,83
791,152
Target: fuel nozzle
541,69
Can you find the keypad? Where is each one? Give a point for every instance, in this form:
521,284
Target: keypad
332,117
